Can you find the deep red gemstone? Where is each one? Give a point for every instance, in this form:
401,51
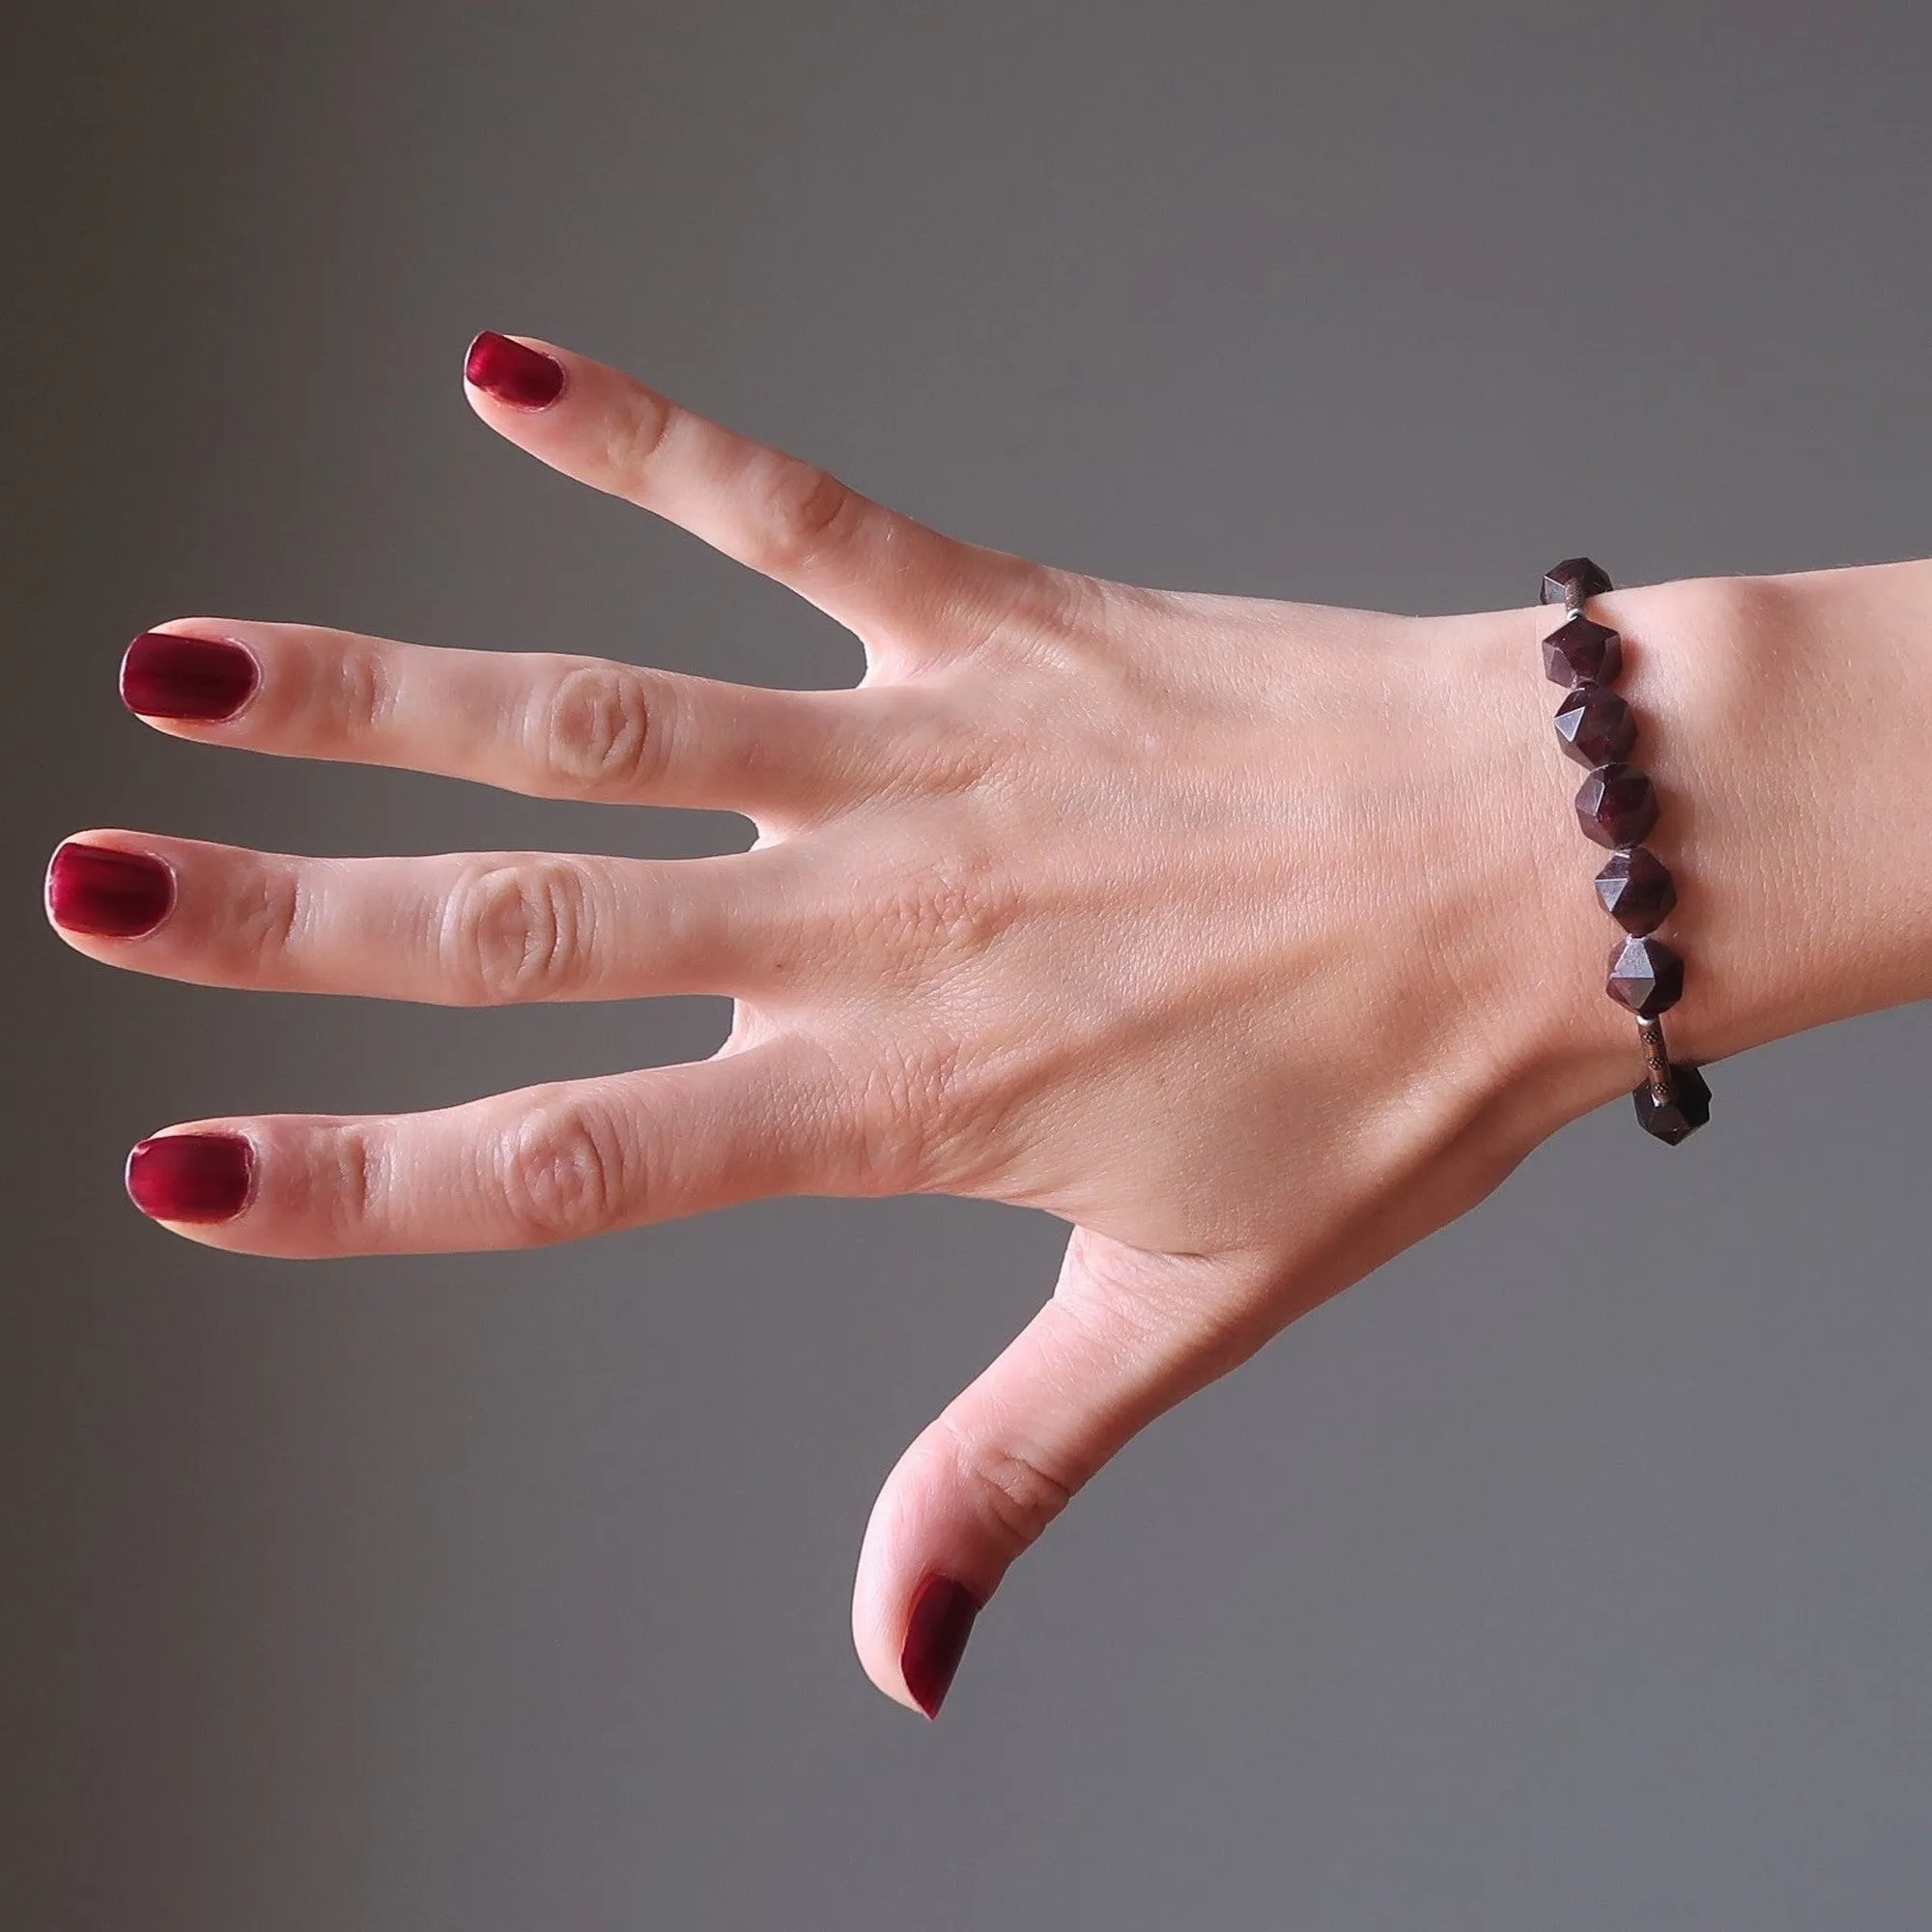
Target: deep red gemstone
1636,888
1679,1117
1616,805
1580,652
1596,725
1590,580
1646,976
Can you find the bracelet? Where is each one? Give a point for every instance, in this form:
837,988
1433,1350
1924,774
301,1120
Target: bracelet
1617,808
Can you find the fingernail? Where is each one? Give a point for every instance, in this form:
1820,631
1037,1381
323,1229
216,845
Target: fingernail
190,1177
936,1633
167,675
512,373
106,894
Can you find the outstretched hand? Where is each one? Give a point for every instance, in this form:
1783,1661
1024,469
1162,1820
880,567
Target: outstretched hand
1220,928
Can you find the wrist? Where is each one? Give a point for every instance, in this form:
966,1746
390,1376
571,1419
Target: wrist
1786,723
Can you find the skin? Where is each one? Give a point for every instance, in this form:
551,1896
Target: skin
1255,940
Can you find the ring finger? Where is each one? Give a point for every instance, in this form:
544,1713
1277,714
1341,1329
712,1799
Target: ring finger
473,928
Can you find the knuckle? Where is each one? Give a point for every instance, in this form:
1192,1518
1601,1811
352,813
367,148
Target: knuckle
1014,1491
1064,620
952,907
801,514
351,1177
635,433
909,1111
564,1172
265,919
603,732
358,693
518,932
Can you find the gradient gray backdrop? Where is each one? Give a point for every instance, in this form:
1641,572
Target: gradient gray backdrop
1572,1573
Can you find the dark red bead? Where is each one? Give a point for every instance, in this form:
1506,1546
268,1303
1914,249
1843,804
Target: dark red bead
1646,976
1616,805
1678,1118
1590,580
1580,652
1636,888
1596,725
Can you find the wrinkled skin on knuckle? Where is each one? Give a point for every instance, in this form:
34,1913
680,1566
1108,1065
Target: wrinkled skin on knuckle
602,733
341,1187
354,694
1066,620
943,909
916,1115
880,921
264,918
565,1170
515,933
1015,1493
799,515
634,430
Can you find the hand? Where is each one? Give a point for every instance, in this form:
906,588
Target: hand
1252,939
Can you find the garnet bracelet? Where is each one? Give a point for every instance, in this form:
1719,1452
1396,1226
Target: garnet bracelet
1617,808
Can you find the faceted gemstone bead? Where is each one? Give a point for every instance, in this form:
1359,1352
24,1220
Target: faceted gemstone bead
1646,976
1616,805
1580,652
1590,578
1680,1117
1636,889
1596,725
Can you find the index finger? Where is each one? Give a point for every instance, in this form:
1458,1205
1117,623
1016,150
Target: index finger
885,575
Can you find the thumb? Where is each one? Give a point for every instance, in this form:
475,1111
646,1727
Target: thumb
1127,1334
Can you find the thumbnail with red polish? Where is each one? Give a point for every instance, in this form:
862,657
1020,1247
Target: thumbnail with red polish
106,894
191,1177
167,675
512,373
936,1632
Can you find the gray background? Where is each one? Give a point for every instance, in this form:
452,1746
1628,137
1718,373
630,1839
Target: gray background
1572,1571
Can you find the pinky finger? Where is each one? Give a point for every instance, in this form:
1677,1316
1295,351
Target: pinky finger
523,1169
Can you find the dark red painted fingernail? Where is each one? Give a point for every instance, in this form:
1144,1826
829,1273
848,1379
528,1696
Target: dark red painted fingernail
190,1177
936,1633
167,675
106,894
512,373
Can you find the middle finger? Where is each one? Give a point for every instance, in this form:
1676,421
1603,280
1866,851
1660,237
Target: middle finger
469,928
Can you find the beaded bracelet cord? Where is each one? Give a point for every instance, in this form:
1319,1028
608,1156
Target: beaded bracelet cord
1617,806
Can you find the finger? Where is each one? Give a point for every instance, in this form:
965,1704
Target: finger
466,929
547,725
544,1164
872,569
1124,1339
